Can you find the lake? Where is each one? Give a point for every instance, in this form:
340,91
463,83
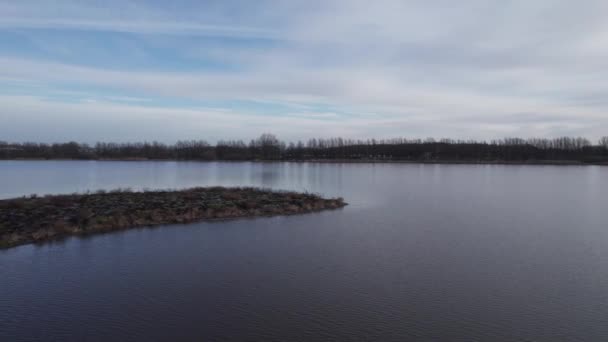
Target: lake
422,253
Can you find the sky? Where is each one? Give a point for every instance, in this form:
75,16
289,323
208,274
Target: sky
121,70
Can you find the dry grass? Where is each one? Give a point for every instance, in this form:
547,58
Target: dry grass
35,219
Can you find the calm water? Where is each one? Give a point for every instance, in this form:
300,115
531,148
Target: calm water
423,253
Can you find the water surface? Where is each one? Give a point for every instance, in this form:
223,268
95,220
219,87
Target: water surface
423,252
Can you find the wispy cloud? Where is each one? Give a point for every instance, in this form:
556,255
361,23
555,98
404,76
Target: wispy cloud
170,28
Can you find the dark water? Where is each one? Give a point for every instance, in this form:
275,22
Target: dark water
423,253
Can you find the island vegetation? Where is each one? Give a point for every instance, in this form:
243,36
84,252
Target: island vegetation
268,147
42,218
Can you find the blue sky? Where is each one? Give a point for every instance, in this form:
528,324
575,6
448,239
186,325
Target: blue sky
157,70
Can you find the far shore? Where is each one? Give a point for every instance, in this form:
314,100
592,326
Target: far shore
37,219
337,161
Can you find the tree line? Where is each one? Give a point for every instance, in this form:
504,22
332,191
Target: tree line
269,147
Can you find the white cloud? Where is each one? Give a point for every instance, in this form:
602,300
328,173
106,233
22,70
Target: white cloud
37,119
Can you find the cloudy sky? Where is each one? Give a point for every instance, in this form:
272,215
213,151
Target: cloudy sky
125,70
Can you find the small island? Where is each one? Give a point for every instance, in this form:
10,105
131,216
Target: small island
41,218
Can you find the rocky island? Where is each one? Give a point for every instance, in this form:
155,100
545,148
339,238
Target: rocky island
41,218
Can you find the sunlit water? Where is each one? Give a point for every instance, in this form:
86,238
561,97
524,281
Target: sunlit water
423,252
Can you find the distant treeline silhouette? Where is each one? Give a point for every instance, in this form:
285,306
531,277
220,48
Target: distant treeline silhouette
268,147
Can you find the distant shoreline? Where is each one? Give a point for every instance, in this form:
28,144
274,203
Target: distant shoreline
37,219
531,151
463,162
337,161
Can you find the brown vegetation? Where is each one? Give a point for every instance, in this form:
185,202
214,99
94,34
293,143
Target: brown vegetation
35,219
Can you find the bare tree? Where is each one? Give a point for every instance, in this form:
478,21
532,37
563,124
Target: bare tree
269,146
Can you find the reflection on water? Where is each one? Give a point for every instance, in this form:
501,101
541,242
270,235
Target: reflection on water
423,252
19,178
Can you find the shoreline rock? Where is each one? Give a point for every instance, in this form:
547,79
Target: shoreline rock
36,219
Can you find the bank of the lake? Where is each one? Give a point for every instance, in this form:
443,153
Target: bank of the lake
345,160
36,219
